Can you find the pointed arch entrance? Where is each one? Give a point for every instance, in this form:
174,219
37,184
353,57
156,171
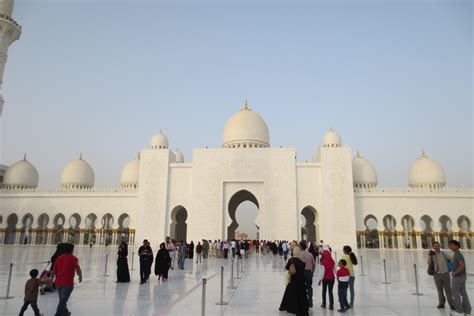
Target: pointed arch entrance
178,226
309,229
237,199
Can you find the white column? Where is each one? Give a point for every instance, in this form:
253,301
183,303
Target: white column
381,240
418,240
48,242
400,242
17,237
81,236
33,238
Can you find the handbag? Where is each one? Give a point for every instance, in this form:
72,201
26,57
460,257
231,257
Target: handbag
292,269
431,269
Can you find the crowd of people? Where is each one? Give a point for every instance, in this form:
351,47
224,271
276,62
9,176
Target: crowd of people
448,270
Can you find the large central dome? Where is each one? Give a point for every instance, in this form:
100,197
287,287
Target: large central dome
245,129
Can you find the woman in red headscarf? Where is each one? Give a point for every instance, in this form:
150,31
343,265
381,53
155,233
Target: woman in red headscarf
327,277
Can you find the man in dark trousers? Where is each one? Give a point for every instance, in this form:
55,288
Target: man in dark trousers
65,267
146,258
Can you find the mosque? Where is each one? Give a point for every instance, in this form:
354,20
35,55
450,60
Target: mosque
334,197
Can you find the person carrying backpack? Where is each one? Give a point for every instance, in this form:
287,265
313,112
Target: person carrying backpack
439,269
351,261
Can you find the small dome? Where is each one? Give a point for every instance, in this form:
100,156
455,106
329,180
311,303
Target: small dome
179,156
78,174
131,173
159,141
245,129
426,173
332,139
21,175
317,155
363,173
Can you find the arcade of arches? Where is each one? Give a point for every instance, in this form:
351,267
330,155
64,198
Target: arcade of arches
404,235
44,230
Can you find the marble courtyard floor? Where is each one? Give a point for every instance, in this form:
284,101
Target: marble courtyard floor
258,293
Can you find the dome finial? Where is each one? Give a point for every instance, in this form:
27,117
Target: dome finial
423,154
246,105
358,153
80,156
138,156
24,157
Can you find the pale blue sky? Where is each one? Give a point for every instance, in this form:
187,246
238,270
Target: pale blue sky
392,77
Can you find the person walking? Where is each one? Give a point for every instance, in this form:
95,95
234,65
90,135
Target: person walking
284,249
308,272
439,261
199,252
351,261
294,299
171,247
205,249
65,268
162,263
123,275
226,249
458,281
182,249
31,293
326,277
191,250
146,258
233,246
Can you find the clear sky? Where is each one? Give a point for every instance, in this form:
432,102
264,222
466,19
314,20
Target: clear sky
101,77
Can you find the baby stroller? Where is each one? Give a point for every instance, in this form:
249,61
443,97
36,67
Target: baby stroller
45,276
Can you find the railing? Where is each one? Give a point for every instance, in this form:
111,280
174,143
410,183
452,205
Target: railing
9,19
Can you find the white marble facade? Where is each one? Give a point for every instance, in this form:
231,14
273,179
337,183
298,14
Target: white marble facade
162,195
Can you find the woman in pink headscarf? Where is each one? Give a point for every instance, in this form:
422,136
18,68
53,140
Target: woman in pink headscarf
327,277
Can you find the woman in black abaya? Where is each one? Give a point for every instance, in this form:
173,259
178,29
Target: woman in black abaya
123,275
295,300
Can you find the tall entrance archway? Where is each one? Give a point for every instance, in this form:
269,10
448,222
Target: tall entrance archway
309,227
178,226
234,202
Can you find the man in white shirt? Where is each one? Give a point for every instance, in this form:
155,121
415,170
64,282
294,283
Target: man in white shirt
233,244
169,245
284,248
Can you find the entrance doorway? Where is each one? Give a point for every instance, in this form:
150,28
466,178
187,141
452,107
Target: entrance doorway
178,226
309,226
237,202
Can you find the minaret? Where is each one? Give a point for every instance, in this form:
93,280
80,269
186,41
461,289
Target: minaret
9,32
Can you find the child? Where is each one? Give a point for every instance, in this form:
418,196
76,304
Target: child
343,276
31,293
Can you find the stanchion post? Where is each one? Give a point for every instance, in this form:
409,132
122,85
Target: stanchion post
362,266
106,261
385,272
133,256
232,275
238,277
203,303
221,302
416,281
6,297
